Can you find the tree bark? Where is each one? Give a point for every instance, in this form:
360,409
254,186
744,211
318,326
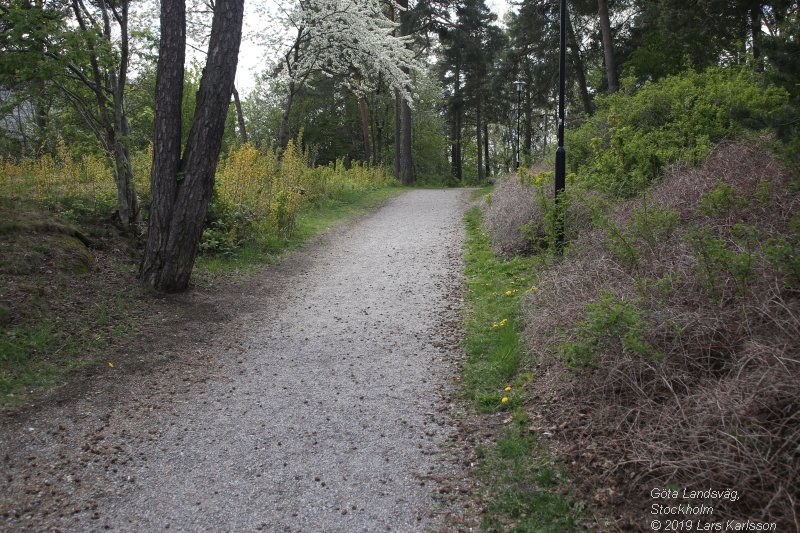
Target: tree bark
363,112
182,187
580,74
240,116
608,46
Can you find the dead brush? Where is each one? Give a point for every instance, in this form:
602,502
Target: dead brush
512,206
684,310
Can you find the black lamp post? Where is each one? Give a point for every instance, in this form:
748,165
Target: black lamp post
519,84
561,154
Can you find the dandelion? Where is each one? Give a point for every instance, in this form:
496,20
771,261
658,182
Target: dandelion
496,325
509,293
504,400
507,389
110,364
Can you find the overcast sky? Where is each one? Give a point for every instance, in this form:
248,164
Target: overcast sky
254,58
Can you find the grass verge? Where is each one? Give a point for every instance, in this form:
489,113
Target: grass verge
522,488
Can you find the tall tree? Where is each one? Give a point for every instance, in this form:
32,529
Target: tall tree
405,165
350,40
182,184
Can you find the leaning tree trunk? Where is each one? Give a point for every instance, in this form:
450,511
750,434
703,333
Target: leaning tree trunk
608,45
182,187
240,116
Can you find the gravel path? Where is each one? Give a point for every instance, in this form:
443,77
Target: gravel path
318,404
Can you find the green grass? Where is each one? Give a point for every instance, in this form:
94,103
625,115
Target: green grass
39,352
524,490
311,222
494,287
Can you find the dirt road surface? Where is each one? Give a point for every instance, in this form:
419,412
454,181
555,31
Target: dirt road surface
313,399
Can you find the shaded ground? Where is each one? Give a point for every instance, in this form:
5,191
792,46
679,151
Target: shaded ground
316,398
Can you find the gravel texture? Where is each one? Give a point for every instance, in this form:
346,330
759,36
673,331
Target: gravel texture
315,398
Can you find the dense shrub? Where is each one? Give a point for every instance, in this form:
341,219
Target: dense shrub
634,136
256,195
520,214
669,335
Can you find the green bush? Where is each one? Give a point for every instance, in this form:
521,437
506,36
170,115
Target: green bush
611,324
625,146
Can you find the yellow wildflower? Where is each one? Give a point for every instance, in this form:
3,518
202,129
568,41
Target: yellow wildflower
110,364
504,400
507,389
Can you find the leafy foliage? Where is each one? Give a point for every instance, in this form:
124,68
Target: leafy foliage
634,137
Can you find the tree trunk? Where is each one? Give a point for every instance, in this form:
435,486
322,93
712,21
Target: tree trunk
479,140
362,110
406,157
108,86
580,74
398,132
283,129
456,131
608,45
486,148
527,123
406,154
182,187
755,35
240,116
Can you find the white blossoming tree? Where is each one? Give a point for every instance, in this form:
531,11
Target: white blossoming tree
354,40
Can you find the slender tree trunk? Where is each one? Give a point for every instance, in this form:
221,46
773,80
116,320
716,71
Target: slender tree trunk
755,35
406,154
608,45
398,132
479,140
362,110
486,148
283,129
456,133
577,63
182,187
108,86
527,123
240,116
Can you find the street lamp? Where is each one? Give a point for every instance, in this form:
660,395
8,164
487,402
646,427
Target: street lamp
519,84
561,155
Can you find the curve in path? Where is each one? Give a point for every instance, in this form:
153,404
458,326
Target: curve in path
326,411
